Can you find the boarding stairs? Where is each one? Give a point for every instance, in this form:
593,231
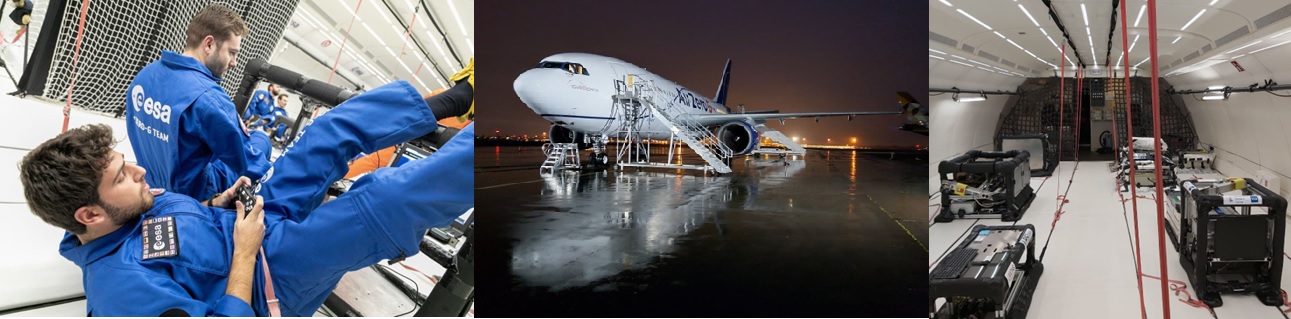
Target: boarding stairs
559,156
682,125
791,147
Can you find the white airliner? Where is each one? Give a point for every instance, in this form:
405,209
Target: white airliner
575,92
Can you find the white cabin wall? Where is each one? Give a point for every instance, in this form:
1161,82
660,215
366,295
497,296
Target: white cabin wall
1249,131
968,125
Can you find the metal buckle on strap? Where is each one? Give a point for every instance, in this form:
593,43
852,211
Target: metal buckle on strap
270,300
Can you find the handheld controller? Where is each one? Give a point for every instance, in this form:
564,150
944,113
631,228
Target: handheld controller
247,197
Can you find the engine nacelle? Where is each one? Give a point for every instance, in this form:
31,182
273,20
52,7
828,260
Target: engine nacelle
740,137
561,134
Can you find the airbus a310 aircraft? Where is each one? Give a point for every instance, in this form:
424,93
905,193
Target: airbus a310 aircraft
575,91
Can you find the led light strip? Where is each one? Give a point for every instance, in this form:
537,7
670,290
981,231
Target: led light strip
1243,47
440,46
1001,70
1271,46
1028,13
348,50
1140,18
974,19
1141,63
1084,14
458,17
1194,19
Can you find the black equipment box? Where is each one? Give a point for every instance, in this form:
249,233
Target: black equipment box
1144,173
981,184
991,273
1231,242
1044,157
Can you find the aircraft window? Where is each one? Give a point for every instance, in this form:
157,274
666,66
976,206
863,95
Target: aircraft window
551,65
574,68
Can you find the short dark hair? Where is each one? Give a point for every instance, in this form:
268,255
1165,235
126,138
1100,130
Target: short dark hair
63,174
214,20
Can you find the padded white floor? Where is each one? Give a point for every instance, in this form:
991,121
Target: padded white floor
1089,265
31,270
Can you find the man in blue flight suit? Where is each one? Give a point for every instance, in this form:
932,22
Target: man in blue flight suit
276,127
182,125
262,104
145,252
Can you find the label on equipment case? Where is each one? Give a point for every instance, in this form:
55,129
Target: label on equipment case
1243,200
1011,273
961,188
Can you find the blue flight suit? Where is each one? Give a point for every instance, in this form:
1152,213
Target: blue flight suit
179,121
281,127
261,104
379,218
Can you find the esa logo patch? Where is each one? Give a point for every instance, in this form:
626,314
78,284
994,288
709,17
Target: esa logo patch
143,103
159,238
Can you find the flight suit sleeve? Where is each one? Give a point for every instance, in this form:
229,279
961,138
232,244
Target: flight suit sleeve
223,133
267,114
253,106
143,294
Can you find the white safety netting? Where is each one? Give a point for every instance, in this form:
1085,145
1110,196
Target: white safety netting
121,37
11,47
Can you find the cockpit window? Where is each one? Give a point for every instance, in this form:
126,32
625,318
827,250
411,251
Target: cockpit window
574,68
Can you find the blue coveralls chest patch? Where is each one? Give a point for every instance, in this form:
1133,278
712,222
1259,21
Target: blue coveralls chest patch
159,238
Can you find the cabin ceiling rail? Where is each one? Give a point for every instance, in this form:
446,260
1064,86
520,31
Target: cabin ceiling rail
1268,86
1067,36
1111,34
959,90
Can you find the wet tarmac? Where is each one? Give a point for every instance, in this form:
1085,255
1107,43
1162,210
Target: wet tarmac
833,233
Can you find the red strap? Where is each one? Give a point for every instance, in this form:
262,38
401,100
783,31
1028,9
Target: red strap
428,277
269,297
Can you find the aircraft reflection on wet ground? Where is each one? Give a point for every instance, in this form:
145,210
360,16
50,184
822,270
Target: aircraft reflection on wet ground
826,234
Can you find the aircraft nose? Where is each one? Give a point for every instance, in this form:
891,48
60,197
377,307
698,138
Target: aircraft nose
528,87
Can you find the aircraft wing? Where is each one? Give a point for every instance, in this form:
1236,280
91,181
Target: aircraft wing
718,119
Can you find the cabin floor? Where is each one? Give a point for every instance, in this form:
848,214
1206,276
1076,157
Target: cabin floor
1089,257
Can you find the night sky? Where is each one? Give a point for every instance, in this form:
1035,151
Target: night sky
792,56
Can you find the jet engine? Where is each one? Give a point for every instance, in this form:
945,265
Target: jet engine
561,134
740,137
